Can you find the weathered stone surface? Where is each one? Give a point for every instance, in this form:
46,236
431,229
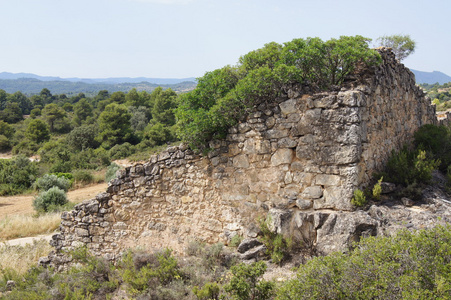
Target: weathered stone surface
312,192
282,156
298,159
247,244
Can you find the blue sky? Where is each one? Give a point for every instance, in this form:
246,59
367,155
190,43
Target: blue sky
186,38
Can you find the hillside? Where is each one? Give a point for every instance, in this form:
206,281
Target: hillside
431,77
33,84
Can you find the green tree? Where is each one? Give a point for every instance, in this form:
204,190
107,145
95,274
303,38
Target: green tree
53,113
23,102
82,111
402,45
114,125
12,113
132,98
83,137
117,97
164,105
37,131
139,117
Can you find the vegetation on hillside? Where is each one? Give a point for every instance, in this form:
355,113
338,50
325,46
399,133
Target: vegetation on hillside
408,265
439,94
79,133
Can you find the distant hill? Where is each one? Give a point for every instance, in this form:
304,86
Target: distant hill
431,77
32,84
112,80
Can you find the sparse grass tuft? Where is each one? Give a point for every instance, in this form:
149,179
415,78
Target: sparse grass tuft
22,258
18,226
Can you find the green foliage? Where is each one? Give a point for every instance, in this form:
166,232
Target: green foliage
157,134
359,198
409,265
377,189
52,114
278,247
111,171
235,241
408,166
210,291
50,199
246,282
121,151
83,176
435,140
160,269
37,131
48,181
82,111
114,124
17,175
164,103
224,96
402,45
83,137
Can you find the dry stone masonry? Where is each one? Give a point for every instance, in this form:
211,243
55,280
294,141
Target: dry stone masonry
299,158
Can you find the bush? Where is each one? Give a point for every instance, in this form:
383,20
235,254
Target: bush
48,181
17,175
278,247
223,97
410,166
246,282
377,189
111,171
121,151
83,176
50,200
359,198
409,265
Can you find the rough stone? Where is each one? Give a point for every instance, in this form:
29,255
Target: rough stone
282,156
247,244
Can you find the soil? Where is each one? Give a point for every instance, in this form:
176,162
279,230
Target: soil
22,204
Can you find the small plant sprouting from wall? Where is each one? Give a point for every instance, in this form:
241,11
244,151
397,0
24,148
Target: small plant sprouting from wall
377,189
359,198
278,247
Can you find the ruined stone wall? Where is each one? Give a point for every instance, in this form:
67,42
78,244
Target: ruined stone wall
302,153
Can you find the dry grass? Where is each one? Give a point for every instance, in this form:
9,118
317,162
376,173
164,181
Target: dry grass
18,226
21,258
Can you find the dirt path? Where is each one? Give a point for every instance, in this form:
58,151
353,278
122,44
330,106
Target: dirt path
22,204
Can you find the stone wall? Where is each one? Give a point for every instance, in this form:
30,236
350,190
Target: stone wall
301,153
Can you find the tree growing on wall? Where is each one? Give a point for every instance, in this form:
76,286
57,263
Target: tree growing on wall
402,45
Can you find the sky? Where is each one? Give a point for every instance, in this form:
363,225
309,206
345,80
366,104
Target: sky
186,38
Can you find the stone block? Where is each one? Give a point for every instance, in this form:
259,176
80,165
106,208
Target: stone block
327,180
282,156
288,107
241,161
312,192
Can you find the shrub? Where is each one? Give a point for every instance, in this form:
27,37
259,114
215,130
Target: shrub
246,282
222,97
278,247
377,189
121,151
409,166
83,176
111,171
210,291
48,181
408,265
49,200
359,198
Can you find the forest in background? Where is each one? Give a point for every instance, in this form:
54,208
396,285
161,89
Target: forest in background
69,134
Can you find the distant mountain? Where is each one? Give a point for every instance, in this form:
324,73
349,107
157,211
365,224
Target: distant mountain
32,86
112,80
431,77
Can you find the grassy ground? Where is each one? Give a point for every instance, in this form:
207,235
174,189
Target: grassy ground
21,258
17,216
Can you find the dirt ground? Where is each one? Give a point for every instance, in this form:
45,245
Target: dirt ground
22,204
